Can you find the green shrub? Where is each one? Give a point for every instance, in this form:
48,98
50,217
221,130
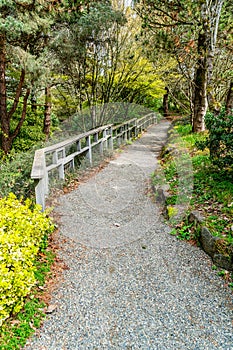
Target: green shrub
220,138
16,175
22,230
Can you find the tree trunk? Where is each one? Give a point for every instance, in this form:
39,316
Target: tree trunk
200,86
200,99
5,127
8,137
47,112
229,100
211,24
165,103
203,90
33,100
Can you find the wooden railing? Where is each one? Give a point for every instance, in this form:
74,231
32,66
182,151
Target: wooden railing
61,156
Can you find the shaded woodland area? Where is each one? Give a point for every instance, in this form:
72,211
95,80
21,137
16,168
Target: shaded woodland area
60,59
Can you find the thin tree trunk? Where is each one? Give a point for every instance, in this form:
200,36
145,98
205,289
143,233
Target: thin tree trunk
47,112
6,136
33,100
23,116
5,127
200,86
229,100
165,103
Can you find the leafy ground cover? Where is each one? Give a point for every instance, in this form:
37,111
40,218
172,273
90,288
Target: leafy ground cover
18,328
25,263
212,193
15,332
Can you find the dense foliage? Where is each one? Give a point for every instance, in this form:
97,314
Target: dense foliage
69,57
220,138
15,175
22,231
212,187
197,35
74,57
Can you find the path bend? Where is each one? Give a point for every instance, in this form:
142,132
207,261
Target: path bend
131,285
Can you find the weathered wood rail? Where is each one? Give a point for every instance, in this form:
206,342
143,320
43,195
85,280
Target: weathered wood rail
61,156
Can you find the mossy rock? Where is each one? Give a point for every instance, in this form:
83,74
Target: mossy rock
218,249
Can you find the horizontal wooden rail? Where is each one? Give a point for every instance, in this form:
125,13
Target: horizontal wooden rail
63,154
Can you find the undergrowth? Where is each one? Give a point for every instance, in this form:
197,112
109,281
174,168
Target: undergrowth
25,261
212,193
15,332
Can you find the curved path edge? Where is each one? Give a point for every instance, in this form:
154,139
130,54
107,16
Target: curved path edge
129,284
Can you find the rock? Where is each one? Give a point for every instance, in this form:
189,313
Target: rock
223,261
195,217
166,151
213,246
208,242
161,194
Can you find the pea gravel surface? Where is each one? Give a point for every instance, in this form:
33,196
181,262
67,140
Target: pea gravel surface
129,284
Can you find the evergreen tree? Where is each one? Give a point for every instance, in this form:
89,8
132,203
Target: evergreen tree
22,23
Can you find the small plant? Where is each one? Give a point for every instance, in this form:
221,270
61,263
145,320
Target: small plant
185,232
15,332
129,142
222,273
171,211
173,232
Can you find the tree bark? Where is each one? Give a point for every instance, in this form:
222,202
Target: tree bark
7,137
200,86
229,100
33,100
165,103
5,128
47,112
203,90
23,116
211,24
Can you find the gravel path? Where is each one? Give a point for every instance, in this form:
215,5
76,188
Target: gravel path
131,285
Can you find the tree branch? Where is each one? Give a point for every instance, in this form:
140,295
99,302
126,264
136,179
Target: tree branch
23,115
17,95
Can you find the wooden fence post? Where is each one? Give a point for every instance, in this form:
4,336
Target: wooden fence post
110,138
89,152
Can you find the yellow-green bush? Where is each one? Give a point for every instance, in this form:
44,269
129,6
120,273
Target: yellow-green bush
22,231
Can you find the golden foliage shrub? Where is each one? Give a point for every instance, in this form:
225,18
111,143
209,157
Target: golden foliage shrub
22,231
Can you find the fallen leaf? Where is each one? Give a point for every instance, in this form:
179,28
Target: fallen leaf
32,326
15,322
51,308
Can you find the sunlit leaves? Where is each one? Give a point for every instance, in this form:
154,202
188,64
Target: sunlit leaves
22,230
